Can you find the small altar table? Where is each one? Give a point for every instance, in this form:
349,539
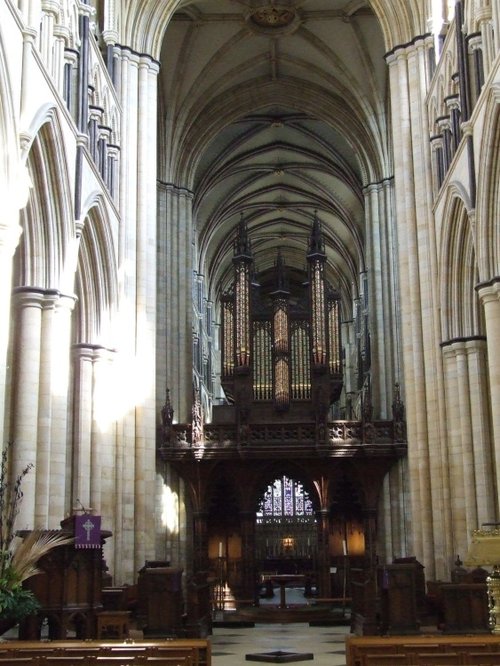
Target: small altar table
283,580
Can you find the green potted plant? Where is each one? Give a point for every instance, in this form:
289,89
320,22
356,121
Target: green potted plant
18,556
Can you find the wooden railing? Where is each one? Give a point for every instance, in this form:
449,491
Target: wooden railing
338,438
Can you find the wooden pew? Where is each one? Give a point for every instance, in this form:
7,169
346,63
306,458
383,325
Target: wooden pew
423,650
170,652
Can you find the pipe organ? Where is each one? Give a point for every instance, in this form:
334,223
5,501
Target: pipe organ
281,344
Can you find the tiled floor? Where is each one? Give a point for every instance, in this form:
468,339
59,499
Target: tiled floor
230,646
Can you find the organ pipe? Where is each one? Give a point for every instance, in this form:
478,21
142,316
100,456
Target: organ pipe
316,259
242,261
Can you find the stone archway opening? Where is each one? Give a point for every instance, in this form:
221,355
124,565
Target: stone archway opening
286,541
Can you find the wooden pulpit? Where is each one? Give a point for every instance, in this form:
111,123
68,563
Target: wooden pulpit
68,589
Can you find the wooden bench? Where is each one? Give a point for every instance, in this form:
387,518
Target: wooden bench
171,652
429,650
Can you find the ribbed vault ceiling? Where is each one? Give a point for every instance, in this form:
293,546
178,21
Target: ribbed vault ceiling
275,111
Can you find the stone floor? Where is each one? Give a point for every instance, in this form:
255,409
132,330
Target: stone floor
231,645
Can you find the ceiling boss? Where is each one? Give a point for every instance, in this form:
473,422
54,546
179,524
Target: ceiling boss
274,19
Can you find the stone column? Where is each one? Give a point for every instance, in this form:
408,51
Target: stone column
467,457
28,303
481,432
50,9
420,329
61,34
9,238
52,431
488,31
455,467
103,452
175,271
82,422
382,278
31,10
392,526
490,299
496,25
60,489
145,442
137,264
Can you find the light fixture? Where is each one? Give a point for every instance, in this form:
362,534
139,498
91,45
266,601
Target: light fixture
484,550
288,542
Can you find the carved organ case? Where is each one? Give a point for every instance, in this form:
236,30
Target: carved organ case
281,345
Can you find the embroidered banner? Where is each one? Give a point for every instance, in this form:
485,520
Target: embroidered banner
87,531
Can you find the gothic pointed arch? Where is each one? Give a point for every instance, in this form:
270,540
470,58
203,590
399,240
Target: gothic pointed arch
276,470
488,193
460,312
224,501
47,221
96,279
97,402
400,22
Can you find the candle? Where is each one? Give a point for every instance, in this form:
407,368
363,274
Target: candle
344,546
220,548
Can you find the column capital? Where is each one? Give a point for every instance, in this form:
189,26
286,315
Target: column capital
28,297
489,291
51,7
147,62
110,37
475,42
402,51
476,344
43,298
127,53
379,185
460,345
66,301
85,10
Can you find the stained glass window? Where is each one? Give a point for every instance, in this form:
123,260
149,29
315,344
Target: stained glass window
285,497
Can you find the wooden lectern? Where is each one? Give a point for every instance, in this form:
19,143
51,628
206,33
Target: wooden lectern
398,599
160,601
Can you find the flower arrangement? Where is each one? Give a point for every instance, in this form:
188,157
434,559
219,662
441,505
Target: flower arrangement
19,557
